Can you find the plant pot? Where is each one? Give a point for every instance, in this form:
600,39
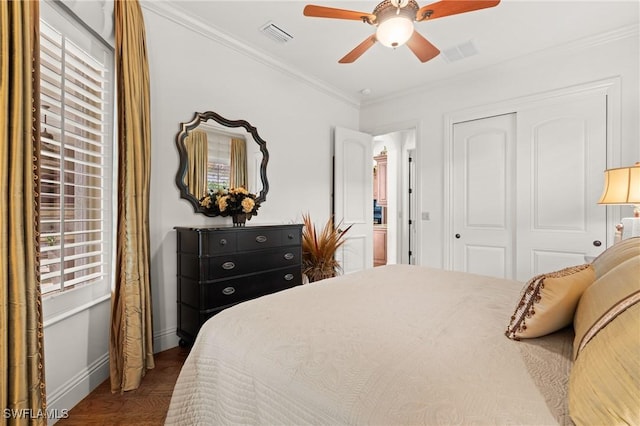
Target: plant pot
239,219
317,274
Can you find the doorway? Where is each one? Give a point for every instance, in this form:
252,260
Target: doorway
395,209
353,173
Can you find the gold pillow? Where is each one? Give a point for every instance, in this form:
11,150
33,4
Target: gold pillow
604,384
548,302
606,298
615,255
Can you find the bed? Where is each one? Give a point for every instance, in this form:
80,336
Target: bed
406,345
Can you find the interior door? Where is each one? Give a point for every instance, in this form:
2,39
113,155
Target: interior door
483,160
562,150
353,195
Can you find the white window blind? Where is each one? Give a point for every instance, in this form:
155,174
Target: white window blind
219,164
76,169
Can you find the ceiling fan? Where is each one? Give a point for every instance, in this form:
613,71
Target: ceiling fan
394,21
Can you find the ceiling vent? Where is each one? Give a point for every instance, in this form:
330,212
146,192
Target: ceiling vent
461,51
274,32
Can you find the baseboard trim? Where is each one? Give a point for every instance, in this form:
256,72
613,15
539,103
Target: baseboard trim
79,386
82,384
165,339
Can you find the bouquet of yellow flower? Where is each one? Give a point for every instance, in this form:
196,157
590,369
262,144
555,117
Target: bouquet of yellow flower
231,202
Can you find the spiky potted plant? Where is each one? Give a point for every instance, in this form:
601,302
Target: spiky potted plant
319,249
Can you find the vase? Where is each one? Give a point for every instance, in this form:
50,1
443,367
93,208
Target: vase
239,219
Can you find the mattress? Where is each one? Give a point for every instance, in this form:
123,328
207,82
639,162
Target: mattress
397,344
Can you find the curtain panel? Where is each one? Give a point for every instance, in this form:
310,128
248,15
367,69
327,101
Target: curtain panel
131,336
22,379
239,163
198,161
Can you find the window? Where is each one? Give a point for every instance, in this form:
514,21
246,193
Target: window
76,168
219,160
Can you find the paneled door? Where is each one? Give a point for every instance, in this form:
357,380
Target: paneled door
483,179
353,195
524,202
562,151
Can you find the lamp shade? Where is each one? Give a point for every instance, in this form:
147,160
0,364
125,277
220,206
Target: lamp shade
621,186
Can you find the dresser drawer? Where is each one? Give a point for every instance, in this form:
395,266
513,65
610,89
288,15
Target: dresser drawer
218,267
205,242
218,242
259,239
291,236
220,293
230,265
256,239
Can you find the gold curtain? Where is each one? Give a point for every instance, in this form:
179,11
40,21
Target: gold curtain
131,339
198,159
22,381
238,163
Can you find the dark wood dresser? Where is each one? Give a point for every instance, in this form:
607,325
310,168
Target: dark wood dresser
219,267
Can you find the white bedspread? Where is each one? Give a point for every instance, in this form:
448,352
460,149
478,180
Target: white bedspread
395,345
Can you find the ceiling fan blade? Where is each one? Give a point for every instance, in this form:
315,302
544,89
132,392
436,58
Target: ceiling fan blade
359,50
421,47
330,12
452,7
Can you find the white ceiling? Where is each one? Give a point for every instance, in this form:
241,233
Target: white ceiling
512,29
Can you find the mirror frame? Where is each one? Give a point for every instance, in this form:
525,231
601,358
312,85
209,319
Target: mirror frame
201,117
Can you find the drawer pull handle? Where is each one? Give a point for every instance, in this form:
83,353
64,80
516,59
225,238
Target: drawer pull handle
228,265
288,256
290,236
223,241
288,277
228,291
261,239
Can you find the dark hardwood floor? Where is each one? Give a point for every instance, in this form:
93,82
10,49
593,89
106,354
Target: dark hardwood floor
146,405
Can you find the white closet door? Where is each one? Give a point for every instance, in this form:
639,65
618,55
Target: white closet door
353,197
483,175
560,163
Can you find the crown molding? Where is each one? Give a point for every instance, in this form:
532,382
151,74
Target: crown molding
559,50
168,11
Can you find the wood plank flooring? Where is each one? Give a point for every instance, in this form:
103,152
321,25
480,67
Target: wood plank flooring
146,405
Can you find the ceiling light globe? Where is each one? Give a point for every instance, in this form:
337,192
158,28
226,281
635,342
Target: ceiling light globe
394,31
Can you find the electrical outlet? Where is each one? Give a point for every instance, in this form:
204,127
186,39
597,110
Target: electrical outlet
425,216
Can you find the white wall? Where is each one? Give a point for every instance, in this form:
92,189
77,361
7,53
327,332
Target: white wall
607,56
191,72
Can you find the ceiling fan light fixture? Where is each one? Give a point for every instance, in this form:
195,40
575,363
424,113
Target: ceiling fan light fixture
394,21
394,31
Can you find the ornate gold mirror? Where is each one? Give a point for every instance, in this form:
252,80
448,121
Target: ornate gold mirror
217,153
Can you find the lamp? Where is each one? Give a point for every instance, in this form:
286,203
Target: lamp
622,186
395,22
